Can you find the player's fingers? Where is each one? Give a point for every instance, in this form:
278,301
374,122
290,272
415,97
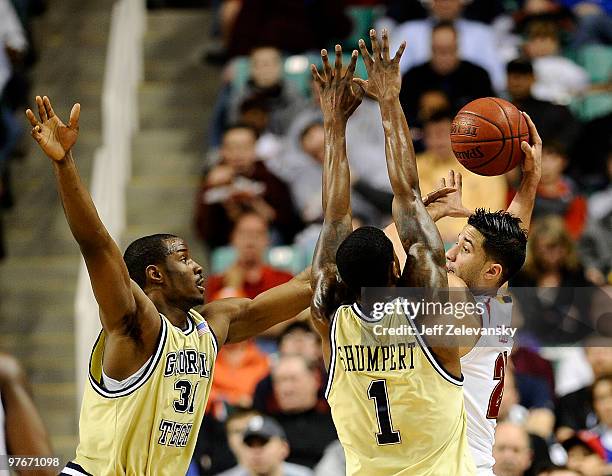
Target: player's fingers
48,108
31,117
352,65
458,180
327,71
451,178
385,44
338,65
533,131
41,109
375,46
365,54
75,113
36,133
526,148
443,182
400,52
315,74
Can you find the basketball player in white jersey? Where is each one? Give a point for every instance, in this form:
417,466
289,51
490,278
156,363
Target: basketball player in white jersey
489,251
21,429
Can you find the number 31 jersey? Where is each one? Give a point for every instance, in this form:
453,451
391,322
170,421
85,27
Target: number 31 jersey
484,369
151,426
396,410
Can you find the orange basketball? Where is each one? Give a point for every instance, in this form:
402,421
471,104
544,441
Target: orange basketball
486,136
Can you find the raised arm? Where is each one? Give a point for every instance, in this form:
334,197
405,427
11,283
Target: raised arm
339,98
111,283
236,319
417,232
522,204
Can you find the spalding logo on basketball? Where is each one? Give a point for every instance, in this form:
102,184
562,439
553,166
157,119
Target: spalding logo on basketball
486,136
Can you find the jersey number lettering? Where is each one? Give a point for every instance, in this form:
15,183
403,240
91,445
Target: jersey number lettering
377,391
499,373
186,399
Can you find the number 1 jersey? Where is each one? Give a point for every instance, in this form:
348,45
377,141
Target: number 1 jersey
396,410
151,426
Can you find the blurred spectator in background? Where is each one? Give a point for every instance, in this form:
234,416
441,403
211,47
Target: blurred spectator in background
461,81
333,462
554,470
476,40
561,313
557,194
479,10
238,368
585,454
264,451
21,429
308,426
438,159
266,84
242,183
220,446
511,451
596,243
302,168
295,26
575,410
558,79
555,122
249,275
602,404
298,338
255,112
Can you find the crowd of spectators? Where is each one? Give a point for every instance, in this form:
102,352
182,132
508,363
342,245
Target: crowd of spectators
261,188
17,56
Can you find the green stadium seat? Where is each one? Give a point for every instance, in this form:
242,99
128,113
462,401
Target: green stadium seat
597,60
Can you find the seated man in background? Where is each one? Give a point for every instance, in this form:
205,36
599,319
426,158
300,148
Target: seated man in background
555,122
264,451
265,81
304,418
512,452
461,81
21,429
248,275
476,40
241,183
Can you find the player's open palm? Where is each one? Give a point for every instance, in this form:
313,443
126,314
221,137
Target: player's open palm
339,95
384,76
53,136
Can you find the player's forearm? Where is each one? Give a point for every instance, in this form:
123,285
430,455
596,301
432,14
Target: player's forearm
524,200
399,151
272,307
85,224
336,172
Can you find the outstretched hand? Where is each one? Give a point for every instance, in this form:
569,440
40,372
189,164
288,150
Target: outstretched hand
339,95
384,77
532,163
446,199
53,136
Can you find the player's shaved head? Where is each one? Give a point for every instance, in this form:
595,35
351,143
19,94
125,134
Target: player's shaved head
145,251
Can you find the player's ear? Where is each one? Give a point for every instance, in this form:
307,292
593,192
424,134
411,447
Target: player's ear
494,272
154,275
